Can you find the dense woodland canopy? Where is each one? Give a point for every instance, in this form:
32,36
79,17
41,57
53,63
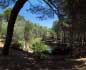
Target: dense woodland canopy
31,46
70,28
26,33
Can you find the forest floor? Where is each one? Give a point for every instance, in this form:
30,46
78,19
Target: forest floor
21,60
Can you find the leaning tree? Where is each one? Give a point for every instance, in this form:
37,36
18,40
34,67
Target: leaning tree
17,7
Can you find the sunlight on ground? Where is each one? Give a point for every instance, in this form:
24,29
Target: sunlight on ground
80,59
1,44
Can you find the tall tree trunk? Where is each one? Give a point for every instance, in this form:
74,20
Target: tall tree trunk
17,7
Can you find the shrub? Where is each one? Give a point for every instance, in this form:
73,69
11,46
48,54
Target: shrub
40,49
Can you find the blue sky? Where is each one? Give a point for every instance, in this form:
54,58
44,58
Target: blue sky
28,16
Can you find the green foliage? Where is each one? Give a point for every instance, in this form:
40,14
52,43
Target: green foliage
3,29
59,26
39,47
6,3
2,15
27,31
41,50
56,26
0,26
19,29
7,13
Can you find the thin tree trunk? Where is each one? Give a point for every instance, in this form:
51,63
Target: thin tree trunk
19,4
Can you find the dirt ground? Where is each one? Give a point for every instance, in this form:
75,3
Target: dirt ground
20,60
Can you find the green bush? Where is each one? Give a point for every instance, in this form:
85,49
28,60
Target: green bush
40,47
40,50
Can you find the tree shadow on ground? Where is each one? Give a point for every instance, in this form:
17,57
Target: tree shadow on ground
21,60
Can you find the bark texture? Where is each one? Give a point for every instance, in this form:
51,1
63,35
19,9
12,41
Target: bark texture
17,7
